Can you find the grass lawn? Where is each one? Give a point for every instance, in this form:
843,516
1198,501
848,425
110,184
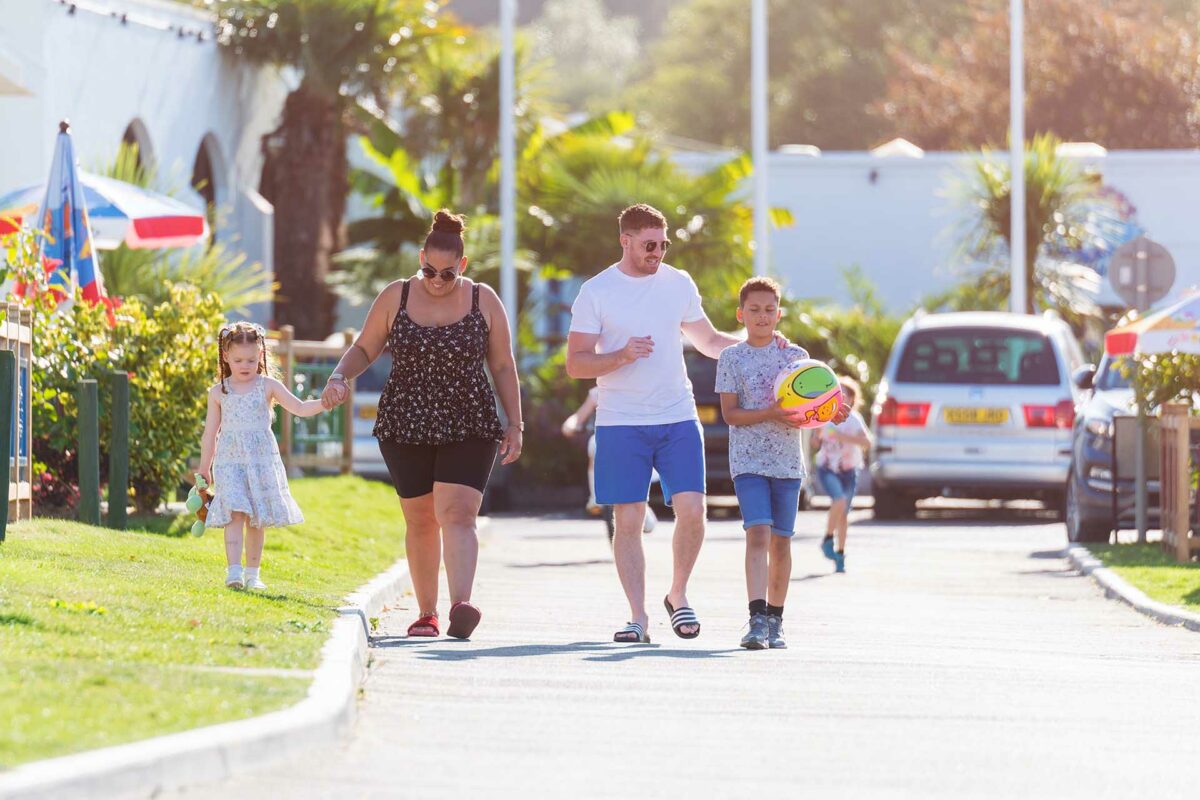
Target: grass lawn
108,637
1150,569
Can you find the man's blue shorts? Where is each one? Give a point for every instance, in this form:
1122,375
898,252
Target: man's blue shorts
626,455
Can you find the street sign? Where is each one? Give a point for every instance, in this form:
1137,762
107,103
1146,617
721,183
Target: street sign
1141,272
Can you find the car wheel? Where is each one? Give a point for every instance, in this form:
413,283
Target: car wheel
892,505
1080,528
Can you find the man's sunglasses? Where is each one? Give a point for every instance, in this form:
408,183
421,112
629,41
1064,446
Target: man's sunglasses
431,273
651,246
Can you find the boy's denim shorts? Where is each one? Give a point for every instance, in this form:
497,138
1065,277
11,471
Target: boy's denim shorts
768,501
838,484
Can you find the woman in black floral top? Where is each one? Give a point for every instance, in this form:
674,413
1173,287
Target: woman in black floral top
437,424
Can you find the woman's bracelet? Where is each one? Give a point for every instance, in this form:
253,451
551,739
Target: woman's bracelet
518,425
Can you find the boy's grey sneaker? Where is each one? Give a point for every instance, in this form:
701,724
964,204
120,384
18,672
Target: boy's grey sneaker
756,637
775,638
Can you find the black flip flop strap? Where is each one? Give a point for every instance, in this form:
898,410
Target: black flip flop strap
684,616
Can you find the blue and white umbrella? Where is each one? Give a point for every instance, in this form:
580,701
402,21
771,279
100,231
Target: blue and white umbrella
120,213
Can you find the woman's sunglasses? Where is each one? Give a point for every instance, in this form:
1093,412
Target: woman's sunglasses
446,274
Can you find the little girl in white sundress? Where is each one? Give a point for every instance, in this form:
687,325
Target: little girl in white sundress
238,454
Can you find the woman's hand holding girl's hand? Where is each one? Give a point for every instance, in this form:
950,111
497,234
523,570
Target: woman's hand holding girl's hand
334,394
510,447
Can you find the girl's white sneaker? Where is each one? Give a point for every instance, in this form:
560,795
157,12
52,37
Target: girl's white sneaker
234,578
252,580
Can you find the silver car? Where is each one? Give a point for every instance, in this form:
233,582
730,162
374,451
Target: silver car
368,461
975,404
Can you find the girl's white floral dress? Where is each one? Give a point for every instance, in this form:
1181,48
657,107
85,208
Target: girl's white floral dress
248,475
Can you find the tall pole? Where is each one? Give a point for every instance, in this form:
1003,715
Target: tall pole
758,133
508,166
1016,151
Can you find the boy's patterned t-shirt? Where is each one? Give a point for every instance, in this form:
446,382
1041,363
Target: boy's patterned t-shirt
770,448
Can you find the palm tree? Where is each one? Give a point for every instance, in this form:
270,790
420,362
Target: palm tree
575,183
1064,216
343,51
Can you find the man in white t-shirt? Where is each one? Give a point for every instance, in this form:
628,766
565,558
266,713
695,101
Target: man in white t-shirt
625,333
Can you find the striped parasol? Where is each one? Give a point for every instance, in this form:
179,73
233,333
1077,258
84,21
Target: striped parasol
1174,329
120,213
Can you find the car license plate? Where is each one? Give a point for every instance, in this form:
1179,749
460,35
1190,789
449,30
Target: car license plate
367,412
975,416
707,414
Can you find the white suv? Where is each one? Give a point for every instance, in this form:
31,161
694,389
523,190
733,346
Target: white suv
975,404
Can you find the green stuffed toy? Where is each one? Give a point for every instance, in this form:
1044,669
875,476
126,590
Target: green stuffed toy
198,500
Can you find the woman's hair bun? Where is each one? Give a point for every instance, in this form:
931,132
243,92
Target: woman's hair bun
445,222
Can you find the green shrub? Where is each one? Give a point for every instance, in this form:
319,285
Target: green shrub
169,352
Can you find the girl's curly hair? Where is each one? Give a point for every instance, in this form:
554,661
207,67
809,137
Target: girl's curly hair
241,332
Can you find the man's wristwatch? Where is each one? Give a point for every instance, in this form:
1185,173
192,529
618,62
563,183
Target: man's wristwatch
337,376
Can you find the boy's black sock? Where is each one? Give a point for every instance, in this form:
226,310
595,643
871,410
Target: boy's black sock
758,607
775,611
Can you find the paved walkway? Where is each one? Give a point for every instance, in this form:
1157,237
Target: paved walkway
957,658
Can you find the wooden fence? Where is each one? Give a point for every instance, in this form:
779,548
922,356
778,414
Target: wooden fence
1177,494
326,440
16,334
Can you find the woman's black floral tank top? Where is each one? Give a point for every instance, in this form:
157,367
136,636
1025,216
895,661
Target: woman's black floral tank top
438,392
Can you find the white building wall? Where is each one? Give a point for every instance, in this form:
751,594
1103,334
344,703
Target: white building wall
102,75
893,216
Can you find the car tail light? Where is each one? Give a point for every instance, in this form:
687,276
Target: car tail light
1061,416
893,412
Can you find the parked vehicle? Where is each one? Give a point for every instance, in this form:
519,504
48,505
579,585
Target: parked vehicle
1089,496
975,404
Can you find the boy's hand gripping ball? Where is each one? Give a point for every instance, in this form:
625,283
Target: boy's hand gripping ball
810,389
198,500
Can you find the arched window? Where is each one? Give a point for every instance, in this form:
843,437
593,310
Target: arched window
208,178
137,134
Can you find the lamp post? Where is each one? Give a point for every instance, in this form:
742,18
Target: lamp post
508,167
758,132
1016,150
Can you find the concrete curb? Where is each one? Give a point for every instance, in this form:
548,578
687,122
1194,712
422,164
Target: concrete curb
216,752
1117,587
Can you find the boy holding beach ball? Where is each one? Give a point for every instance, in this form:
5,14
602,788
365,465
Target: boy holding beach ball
765,454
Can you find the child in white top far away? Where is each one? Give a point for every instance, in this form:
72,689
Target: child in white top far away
839,462
238,454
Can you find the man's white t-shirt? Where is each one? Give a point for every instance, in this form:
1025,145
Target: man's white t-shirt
653,390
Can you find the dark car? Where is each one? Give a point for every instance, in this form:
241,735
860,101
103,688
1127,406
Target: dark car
1088,501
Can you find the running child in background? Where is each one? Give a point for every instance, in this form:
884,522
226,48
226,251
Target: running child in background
839,461
238,454
765,457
